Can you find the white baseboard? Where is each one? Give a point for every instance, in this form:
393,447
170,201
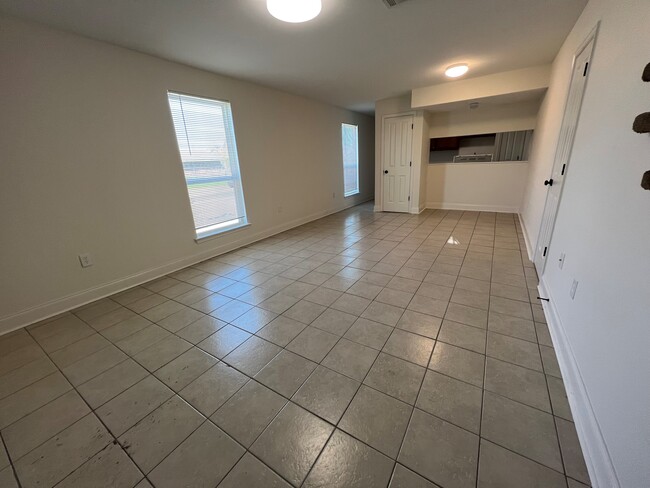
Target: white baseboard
54,307
529,249
472,207
599,463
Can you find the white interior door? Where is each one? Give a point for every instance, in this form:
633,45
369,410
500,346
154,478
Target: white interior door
563,152
397,153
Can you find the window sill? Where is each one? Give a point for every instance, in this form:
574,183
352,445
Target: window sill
208,236
346,195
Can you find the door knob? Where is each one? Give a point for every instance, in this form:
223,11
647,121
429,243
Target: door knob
548,182
385,171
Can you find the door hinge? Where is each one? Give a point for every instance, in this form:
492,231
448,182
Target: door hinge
411,126
410,163
563,168
584,73
544,253
409,198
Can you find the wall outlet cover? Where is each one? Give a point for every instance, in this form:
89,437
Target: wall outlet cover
86,260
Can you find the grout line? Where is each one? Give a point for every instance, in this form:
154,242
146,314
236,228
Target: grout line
483,390
3,445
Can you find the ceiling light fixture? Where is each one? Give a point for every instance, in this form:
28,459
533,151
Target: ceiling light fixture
294,11
456,70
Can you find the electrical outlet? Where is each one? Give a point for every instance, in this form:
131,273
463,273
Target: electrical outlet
574,287
86,260
561,261
279,210
334,194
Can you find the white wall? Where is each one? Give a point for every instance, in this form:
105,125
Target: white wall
505,84
485,119
496,187
424,158
90,164
603,226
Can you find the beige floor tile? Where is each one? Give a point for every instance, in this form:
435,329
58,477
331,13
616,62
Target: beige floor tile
517,383
248,412
111,382
25,375
291,444
396,377
34,396
405,478
440,451
574,463
109,468
326,393
180,372
347,462
149,441
34,429
252,473
20,357
452,400
61,455
377,419
130,406
251,356
520,471
522,429
213,388
513,350
203,459
286,373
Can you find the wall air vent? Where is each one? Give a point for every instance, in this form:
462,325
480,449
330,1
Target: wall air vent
393,3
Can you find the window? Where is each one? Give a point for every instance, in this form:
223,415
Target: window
206,142
350,136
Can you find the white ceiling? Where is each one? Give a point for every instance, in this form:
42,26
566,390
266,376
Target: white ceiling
355,52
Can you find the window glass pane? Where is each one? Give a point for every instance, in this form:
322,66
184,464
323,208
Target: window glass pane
206,142
350,135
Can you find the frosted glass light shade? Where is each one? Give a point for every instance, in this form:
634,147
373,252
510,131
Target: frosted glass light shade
294,11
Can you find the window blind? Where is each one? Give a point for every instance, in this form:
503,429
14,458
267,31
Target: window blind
350,137
206,141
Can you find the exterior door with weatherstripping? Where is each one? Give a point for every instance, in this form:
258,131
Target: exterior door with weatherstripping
563,152
397,152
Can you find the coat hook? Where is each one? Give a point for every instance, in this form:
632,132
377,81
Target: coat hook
645,181
642,123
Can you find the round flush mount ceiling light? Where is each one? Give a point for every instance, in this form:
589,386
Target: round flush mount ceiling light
456,70
294,11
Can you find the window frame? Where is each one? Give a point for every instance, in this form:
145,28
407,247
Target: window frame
358,186
215,230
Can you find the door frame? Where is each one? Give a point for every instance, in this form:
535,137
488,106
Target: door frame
411,113
591,38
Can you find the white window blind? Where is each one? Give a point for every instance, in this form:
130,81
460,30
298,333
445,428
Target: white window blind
350,137
206,142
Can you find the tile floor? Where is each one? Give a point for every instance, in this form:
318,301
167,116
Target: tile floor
363,349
